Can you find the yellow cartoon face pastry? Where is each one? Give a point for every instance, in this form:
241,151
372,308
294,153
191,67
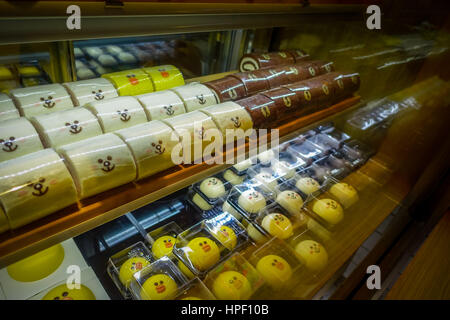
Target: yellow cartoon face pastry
278,225
212,188
252,201
129,267
312,254
291,201
159,287
307,185
37,266
345,193
61,292
203,253
232,285
275,270
329,210
163,246
226,236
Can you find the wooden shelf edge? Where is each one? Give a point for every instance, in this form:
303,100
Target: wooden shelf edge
93,212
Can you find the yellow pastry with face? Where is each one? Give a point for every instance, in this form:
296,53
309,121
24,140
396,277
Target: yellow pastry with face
278,225
312,254
232,285
203,253
159,287
129,267
307,185
291,201
61,292
226,236
252,201
329,210
163,246
345,193
275,270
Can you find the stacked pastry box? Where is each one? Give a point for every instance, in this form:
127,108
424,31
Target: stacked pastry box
285,207
50,160
52,274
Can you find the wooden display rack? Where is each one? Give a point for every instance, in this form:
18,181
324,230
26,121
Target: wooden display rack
95,211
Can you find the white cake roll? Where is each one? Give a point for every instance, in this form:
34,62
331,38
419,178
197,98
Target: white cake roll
86,91
17,138
4,223
151,144
64,127
195,96
7,108
35,185
162,104
99,163
229,115
36,100
195,126
118,113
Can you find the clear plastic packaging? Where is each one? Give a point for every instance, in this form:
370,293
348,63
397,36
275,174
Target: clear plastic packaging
228,230
240,168
162,104
118,113
151,144
267,177
278,265
343,192
326,209
161,280
199,249
232,178
234,279
212,189
356,152
7,108
162,240
99,163
64,127
4,223
195,96
130,82
35,185
287,165
123,265
18,137
91,90
307,150
41,99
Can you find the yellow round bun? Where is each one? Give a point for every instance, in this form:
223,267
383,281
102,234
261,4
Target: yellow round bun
226,236
345,193
61,292
278,225
275,270
232,285
291,201
307,185
201,203
312,254
203,253
163,246
252,201
130,267
329,210
159,287
212,188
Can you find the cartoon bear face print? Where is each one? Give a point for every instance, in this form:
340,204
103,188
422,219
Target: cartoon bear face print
201,99
212,182
169,110
292,196
253,195
124,116
74,127
278,218
98,95
311,182
39,189
106,165
64,296
159,148
236,122
332,204
47,102
9,145
314,248
132,79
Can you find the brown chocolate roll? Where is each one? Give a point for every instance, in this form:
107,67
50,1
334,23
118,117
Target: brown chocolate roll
326,67
298,55
262,109
255,61
228,88
286,101
277,77
254,81
347,83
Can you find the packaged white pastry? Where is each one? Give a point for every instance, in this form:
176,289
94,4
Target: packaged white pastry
229,115
35,185
118,113
64,127
196,127
7,108
86,91
195,96
46,98
17,138
99,163
162,104
151,144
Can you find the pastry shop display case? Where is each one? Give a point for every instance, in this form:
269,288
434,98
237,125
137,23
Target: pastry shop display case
216,151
